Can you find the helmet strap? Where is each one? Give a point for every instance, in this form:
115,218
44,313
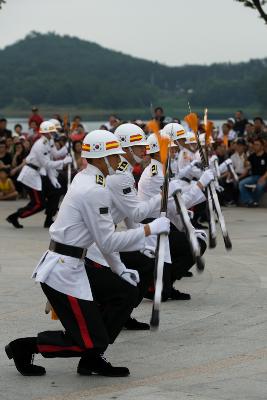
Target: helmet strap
111,171
137,159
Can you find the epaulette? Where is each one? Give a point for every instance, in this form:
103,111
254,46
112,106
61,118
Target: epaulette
45,141
154,170
123,165
100,180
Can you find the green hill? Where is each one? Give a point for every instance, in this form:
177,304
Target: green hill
65,71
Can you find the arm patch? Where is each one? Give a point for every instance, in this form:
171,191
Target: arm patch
154,170
127,190
103,210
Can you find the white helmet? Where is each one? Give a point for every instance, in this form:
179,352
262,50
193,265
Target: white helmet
47,126
174,131
153,144
190,138
130,135
56,123
100,143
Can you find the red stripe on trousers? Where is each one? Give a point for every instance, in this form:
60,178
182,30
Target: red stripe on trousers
43,348
37,206
81,322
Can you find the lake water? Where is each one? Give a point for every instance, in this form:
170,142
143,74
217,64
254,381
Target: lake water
89,125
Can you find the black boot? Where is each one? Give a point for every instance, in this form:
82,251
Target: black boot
22,352
176,295
133,325
13,219
97,364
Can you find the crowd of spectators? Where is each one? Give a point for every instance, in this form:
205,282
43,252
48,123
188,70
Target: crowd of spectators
243,140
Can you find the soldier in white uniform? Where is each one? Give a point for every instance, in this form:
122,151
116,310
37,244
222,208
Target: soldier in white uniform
84,218
39,176
128,208
149,185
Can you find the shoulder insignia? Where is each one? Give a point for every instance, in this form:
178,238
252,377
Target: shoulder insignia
127,190
45,141
123,165
154,170
100,180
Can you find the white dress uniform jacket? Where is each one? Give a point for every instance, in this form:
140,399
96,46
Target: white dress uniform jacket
84,218
126,206
40,156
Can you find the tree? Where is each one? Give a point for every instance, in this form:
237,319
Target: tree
256,5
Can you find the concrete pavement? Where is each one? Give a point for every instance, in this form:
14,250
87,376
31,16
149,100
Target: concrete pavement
212,347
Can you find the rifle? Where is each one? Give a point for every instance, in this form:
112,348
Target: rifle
66,130
191,120
189,230
163,237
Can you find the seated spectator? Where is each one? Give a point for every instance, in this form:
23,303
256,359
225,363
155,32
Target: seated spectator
112,123
17,130
249,133
10,145
240,123
33,133
259,126
220,151
77,131
4,132
16,166
253,187
5,157
7,188
78,160
226,135
239,159
35,117
158,118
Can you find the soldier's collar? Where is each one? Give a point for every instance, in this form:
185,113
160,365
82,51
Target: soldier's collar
129,166
92,170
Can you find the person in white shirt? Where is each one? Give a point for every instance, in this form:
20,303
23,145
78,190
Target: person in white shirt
75,294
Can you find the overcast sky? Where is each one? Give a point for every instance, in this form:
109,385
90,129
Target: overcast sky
173,32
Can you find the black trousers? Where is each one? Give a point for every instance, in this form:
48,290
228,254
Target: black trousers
47,199
89,325
145,267
116,297
182,260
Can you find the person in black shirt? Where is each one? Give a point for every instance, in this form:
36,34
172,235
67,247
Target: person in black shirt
5,157
240,123
258,165
4,132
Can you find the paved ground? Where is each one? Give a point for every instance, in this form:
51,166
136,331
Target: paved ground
213,347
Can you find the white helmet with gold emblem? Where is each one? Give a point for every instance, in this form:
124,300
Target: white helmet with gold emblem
100,143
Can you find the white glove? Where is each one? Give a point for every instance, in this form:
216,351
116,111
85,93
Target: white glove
174,186
195,163
159,225
67,160
201,235
213,159
218,187
224,166
150,253
196,172
131,276
55,182
185,172
206,178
